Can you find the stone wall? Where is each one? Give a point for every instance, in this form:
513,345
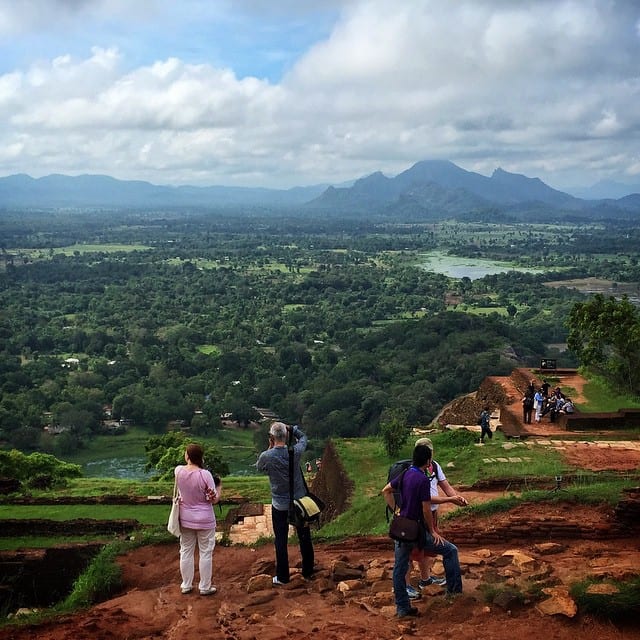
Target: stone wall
620,419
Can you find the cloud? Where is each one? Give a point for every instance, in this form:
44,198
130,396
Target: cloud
545,88
28,16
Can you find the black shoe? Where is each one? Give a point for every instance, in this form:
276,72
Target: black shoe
411,611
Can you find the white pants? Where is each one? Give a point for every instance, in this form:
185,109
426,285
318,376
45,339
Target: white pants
206,539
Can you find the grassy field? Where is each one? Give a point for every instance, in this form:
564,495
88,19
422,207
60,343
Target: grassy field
601,398
81,248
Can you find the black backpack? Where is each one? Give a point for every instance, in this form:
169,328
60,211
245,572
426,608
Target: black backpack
394,471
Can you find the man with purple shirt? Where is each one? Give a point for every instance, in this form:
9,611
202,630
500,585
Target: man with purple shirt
415,503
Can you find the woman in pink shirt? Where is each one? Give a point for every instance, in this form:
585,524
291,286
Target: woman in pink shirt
197,521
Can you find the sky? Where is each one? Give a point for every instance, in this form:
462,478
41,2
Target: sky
284,93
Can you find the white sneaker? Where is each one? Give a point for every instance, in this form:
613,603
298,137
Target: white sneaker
413,593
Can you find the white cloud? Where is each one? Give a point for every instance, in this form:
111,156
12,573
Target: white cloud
546,87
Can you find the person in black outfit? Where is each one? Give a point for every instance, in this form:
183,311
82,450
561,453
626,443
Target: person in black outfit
544,387
275,463
527,406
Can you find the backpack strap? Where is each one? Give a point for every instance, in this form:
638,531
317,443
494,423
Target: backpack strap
388,510
290,450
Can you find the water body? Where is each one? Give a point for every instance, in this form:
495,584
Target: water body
131,468
472,268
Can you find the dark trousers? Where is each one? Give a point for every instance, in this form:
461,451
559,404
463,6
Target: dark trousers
527,412
280,522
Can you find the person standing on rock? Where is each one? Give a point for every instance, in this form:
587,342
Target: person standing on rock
198,493
275,463
415,503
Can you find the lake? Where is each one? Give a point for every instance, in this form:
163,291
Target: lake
472,268
132,468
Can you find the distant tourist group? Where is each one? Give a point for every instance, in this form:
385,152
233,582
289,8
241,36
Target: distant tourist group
537,403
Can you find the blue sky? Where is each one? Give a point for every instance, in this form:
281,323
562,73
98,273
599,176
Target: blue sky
285,93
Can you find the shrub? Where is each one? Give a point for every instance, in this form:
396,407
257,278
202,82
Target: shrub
41,468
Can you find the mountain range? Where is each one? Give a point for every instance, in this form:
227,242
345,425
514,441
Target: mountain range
430,189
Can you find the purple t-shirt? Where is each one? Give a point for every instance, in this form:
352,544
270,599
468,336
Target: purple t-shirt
196,512
416,489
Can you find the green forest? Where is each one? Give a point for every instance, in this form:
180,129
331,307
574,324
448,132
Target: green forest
180,319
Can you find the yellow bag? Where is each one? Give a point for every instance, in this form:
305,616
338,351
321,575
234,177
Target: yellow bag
306,510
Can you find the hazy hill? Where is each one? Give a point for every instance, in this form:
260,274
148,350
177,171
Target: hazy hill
606,189
104,191
430,189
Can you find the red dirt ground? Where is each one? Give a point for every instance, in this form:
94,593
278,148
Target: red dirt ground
150,605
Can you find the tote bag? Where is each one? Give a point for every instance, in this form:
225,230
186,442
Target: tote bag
173,526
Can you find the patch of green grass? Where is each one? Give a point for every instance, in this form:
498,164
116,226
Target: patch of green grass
94,487
45,542
622,605
128,444
155,514
600,397
585,489
209,349
492,590
592,493
464,462
483,311
491,507
252,488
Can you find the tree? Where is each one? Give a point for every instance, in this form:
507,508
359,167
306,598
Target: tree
605,335
394,431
